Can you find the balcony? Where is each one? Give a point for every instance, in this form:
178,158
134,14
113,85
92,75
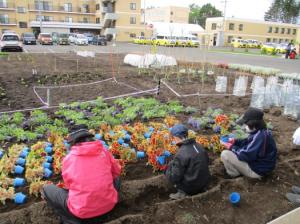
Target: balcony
7,6
62,9
8,22
79,24
109,18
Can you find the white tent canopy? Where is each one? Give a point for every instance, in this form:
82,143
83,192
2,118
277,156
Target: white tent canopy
175,29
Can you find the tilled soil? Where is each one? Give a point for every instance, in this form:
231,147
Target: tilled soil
144,194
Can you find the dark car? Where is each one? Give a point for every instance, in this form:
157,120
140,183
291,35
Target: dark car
99,40
28,38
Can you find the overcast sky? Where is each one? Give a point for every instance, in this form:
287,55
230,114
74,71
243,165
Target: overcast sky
246,9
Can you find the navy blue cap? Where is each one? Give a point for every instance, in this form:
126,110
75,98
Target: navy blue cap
179,130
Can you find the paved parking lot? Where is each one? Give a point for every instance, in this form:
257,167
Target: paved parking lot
186,54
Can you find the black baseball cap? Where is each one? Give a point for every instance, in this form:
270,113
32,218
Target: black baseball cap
252,114
179,130
78,132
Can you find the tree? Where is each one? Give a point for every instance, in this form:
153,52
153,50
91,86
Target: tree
285,11
198,14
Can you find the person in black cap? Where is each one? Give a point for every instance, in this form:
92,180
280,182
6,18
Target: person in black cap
188,171
255,156
91,179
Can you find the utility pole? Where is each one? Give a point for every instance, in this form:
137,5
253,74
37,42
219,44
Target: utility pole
224,17
145,18
40,15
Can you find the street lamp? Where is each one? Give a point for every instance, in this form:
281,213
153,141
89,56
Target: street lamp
40,15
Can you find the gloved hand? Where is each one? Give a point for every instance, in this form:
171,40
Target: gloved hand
228,145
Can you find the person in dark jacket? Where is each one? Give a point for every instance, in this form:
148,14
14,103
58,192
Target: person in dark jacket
188,171
255,156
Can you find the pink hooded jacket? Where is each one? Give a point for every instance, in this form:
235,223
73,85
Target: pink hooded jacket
88,172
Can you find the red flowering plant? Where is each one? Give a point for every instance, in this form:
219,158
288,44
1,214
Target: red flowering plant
223,122
59,151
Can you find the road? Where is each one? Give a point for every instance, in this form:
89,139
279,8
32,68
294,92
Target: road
188,54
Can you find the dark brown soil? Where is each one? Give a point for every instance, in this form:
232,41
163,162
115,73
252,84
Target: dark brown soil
144,195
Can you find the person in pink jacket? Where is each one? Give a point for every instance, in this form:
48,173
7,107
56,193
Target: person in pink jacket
91,178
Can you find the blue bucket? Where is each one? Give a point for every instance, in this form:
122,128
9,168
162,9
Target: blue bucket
147,134
167,153
224,139
19,169
120,141
151,129
21,161
234,198
161,160
48,144
98,136
49,159
47,173
20,198
19,182
125,145
1,154
24,153
47,165
127,137
140,155
48,149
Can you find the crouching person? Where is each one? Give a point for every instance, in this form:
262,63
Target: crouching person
91,177
255,156
188,171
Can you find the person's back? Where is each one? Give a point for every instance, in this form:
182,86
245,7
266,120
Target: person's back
196,175
87,173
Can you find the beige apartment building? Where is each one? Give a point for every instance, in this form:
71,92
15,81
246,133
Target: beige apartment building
119,18
168,14
218,35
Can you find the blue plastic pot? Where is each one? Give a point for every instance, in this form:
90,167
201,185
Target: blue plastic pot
19,182
26,148
1,154
48,149
20,198
98,136
24,153
147,134
127,137
125,132
47,165
140,155
224,139
47,173
49,159
235,198
151,129
48,144
19,169
167,153
111,133
125,145
161,160
21,161
120,141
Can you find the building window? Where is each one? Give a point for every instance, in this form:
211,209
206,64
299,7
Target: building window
42,5
171,13
142,34
294,31
97,20
268,40
20,9
69,19
276,30
85,20
132,20
97,7
213,26
280,40
3,4
171,21
282,30
4,19
229,39
274,40
85,8
22,24
44,18
270,29
287,40
241,27
231,26
132,35
68,7
288,31
133,6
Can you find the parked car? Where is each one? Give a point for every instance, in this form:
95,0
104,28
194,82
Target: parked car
54,36
253,44
28,38
239,43
63,39
81,39
72,37
194,42
281,48
99,40
89,36
45,38
269,48
10,42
